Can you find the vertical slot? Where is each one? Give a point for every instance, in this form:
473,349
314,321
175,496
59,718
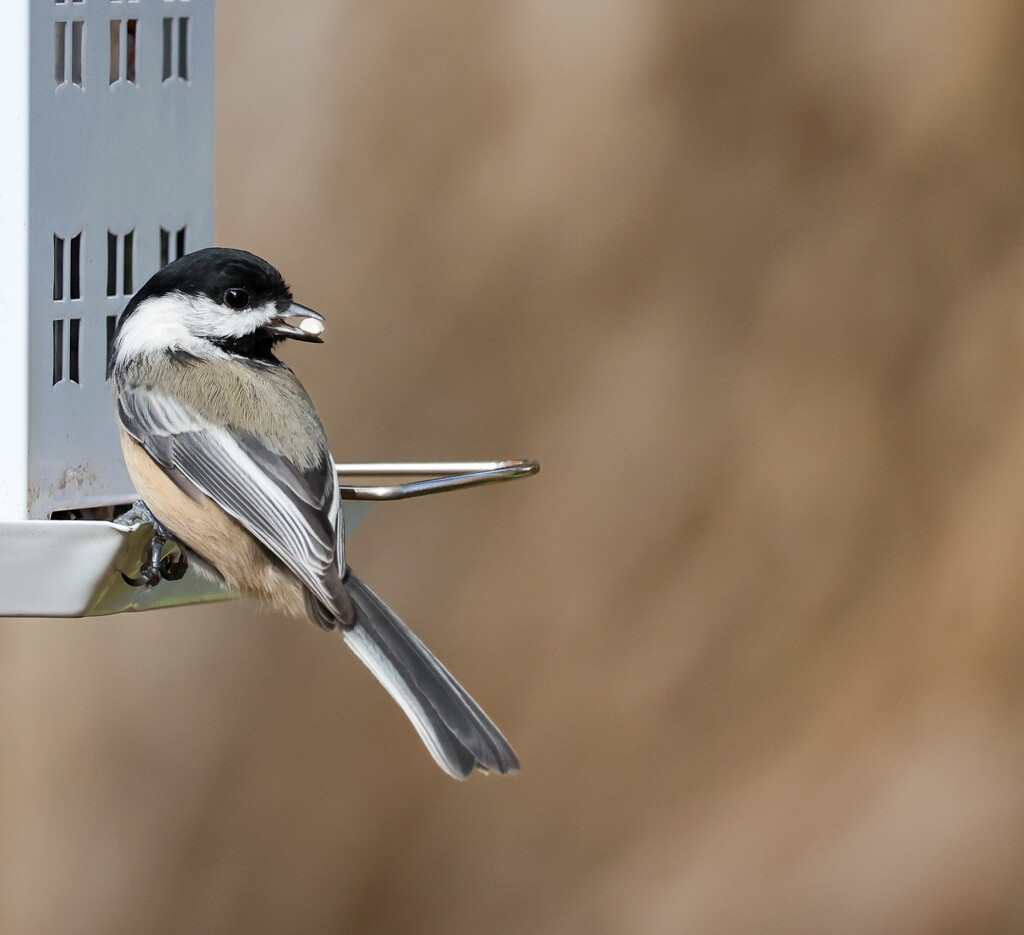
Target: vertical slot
111,263
168,35
76,324
115,50
181,243
58,351
183,47
165,247
77,35
111,328
58,268
75,283
129,59
60,35
129,251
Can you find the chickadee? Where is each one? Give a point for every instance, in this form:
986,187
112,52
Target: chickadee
229,455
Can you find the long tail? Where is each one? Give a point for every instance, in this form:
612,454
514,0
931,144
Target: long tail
458,734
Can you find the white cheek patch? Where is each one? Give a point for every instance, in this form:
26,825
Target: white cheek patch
188,323
209,319
157,325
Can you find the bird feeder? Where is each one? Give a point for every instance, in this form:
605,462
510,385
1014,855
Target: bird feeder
106,174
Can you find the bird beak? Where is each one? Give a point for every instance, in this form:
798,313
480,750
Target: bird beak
309,327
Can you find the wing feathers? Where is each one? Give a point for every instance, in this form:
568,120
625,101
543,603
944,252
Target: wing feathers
294,514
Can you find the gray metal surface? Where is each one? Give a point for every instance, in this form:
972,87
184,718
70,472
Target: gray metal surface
443,476
73,568
50,568
108,156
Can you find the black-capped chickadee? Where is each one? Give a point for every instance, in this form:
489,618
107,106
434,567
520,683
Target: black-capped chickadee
229,455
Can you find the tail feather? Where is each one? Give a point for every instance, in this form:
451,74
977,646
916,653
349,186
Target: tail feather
456,731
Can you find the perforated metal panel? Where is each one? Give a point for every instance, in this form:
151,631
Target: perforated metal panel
106,173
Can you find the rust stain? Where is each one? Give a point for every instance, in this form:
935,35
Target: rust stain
76,477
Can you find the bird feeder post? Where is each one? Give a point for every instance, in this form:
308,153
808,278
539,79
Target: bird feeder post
14,298
107,174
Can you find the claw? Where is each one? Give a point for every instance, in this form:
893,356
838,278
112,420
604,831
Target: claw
173,569
143,581
155,565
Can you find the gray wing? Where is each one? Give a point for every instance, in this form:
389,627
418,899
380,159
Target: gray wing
294,513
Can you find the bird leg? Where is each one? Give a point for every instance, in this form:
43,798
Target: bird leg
155,565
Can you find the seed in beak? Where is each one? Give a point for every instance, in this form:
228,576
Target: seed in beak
311,326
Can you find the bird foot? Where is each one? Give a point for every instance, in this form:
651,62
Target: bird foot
155,565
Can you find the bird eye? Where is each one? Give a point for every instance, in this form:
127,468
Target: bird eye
236,299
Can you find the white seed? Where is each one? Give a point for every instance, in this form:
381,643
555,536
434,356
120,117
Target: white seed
311,326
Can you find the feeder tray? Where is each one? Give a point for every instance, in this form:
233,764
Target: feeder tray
75,567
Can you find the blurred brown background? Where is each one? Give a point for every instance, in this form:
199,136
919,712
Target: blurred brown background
748,280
